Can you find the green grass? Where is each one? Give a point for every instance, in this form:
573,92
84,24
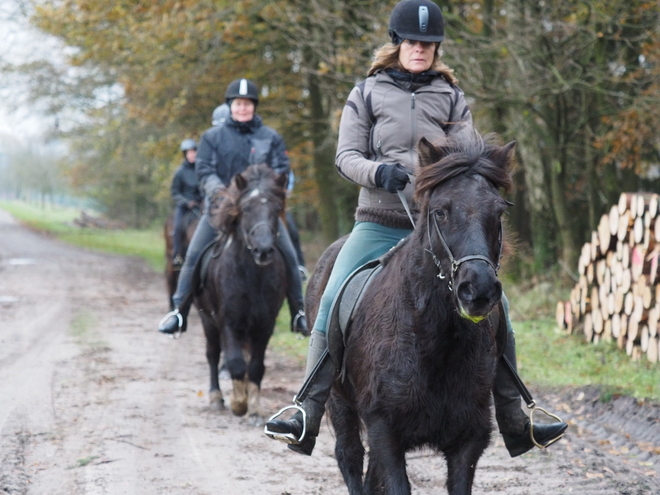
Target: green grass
546,356
286,342
549,357
58,221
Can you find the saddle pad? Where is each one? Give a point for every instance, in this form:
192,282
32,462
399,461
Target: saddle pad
212,250
347,299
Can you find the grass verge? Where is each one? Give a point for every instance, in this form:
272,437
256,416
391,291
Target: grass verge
58,221
549,357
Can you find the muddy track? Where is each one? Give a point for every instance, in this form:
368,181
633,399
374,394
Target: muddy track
94,401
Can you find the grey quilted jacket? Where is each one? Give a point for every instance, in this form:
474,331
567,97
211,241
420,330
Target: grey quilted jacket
382,122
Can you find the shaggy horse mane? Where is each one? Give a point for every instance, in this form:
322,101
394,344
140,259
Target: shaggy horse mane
471,155
226,207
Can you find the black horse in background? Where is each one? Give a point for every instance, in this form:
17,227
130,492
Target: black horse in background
420,353
190,220
243,285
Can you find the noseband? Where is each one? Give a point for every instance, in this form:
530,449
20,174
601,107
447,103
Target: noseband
248,235
262,223
456,263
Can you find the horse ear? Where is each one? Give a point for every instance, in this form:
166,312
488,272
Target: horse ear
282,180
240,181
429,153
503,155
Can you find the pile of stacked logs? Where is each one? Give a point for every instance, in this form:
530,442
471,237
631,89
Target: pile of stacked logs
617,296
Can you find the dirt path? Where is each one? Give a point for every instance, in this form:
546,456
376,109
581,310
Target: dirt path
94,401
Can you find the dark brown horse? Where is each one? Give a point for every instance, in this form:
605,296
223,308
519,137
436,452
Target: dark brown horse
420,354
244,286
190,220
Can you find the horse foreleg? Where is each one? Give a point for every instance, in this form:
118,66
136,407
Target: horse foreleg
256,416
255,374
387,461
239,397
213,349
349,450
237,369
462,464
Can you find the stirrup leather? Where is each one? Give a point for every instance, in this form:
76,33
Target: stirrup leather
289,438
179,318
534,408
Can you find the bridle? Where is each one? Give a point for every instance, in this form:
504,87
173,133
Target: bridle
455,263
248,235
262,223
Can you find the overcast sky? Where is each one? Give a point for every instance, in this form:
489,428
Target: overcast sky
19,43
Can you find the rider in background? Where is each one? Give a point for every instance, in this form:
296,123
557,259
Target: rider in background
220,115
409,94
224,151
186,195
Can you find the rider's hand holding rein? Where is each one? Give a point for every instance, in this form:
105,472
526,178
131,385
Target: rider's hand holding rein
392,178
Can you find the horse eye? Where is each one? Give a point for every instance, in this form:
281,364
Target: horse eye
440,213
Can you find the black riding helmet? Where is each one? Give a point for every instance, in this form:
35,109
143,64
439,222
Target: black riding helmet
416,20
242,88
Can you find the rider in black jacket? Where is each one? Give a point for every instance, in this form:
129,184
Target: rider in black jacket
186,196
224,151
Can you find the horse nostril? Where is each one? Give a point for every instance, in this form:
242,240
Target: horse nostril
498,290
465,291
263,255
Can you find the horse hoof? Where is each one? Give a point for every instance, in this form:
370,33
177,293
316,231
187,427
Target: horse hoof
216,402
256,420
239,408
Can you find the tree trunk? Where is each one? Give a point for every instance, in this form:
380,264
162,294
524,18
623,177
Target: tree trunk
324,162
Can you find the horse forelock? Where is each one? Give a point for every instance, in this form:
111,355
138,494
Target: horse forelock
260,180
463,157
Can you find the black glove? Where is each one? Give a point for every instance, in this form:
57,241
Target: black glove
392,178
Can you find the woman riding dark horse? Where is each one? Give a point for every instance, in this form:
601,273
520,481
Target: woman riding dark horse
244,286
225,151
186,196
408,94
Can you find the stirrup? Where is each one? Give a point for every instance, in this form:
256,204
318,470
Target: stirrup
533,408
294,323
289,438
179,318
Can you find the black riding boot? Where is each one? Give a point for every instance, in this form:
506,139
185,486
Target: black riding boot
176,320
294,293
513,423
323,376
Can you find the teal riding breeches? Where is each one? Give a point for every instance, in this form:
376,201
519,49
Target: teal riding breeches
366,242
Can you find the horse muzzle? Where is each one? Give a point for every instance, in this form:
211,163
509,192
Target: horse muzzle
477,290
263,256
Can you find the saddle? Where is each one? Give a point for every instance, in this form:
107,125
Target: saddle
212,250
346,301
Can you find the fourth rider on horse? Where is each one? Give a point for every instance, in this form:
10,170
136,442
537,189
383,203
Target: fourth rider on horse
408,94
224,151
186,196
